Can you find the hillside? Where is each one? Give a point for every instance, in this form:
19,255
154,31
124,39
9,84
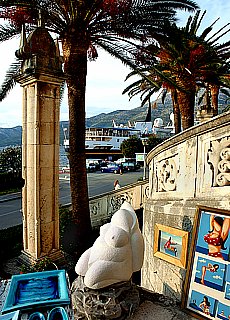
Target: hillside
12,136
123,116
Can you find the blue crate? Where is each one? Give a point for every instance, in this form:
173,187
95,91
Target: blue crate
37,289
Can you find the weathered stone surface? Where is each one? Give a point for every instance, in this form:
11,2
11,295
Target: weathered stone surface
118,301
198,157
40,140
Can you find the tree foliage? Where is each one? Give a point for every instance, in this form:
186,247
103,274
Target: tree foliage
116,26
11,169
131,146
180,62
153,141
11,160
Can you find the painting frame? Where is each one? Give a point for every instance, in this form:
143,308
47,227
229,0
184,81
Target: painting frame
180,261
207,281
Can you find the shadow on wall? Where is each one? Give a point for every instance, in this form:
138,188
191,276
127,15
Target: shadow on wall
187,224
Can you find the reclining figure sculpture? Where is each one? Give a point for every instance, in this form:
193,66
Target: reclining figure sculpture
116,253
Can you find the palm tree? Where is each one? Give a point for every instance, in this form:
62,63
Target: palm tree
81,26
186,60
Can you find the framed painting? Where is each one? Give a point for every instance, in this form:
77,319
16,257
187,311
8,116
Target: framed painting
170,244
207,285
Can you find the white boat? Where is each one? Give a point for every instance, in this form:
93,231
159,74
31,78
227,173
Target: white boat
110,138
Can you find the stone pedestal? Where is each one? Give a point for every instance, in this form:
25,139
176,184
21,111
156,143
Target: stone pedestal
118,301
204,114
41,77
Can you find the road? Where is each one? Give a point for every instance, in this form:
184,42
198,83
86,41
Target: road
98,183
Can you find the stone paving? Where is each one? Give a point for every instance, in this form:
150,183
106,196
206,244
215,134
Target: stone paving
149,310
155,306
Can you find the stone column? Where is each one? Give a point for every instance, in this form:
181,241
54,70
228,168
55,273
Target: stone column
41,76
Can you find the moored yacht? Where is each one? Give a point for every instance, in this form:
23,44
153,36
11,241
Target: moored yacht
110,138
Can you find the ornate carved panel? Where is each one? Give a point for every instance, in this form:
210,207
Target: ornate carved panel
117,200
166,175
102,208
95,209
219,161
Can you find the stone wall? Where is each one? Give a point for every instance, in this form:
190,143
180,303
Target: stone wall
188,170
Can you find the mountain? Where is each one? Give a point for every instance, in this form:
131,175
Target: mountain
123,116
12,136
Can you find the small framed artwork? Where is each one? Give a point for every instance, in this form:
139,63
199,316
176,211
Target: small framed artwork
207,285
170,244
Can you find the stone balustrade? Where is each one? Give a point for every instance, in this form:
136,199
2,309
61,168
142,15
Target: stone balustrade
103,206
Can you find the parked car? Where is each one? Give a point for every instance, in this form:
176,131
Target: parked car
103,164
130,166
90,167
111,168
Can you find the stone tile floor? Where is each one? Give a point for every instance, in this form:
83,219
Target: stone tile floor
149,310
155,306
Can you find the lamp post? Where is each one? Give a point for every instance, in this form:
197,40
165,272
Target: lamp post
145,143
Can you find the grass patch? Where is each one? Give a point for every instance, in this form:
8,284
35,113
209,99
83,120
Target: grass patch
10,191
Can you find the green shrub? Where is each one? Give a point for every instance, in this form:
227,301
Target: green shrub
10,180
11,242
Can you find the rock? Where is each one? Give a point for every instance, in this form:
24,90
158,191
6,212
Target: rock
118,301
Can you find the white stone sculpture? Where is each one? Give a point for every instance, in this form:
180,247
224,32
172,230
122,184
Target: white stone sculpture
116,253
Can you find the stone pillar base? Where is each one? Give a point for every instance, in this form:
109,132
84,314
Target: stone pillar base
56,256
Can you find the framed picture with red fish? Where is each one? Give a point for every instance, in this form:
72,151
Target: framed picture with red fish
207,285
170,244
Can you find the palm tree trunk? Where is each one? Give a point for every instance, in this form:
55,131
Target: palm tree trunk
186,101
214,96
75,64
176,112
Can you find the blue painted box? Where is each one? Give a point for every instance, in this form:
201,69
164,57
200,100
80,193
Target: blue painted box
45,288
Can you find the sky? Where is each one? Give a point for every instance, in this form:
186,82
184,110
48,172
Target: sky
105,77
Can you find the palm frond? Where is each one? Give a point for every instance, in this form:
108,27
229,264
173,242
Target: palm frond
194,24
8,31
218,32
9,81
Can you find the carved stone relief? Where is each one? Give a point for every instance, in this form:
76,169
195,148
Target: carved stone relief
166,175
95,209
117,200
104,207
219,161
